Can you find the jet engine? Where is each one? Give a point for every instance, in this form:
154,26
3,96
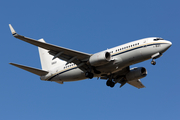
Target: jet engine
100,58
136,73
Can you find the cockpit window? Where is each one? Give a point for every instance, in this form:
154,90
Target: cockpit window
158,39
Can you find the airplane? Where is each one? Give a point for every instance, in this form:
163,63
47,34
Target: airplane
61,65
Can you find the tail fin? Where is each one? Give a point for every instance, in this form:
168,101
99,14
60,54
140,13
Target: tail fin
47,61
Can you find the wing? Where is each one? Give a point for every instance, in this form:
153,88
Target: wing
119,77
136,83
68,55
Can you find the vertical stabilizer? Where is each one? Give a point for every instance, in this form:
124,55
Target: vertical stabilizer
47,61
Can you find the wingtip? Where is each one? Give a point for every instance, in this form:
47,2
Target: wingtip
12,29
11,63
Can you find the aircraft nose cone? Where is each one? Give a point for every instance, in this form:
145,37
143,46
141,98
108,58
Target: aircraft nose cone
165,46
169,43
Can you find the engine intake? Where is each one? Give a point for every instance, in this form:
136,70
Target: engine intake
100,58
136,73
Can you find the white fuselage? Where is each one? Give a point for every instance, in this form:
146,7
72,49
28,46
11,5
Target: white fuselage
121,57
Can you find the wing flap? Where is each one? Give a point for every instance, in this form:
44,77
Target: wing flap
30,69
136,83
60,82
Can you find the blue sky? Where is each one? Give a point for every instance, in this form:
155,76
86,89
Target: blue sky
89,26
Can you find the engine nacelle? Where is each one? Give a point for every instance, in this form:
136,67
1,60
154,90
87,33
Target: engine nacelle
136,73
100,58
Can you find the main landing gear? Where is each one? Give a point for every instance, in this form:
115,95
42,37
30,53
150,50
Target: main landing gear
89,75
110,83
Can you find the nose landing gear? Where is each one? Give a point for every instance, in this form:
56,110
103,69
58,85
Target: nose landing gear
155,56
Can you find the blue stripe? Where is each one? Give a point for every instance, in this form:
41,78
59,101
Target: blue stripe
60,73
112,55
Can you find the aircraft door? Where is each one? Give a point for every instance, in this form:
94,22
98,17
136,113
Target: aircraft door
145,42
143,50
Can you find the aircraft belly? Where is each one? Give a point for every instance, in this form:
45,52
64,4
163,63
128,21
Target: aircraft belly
72,75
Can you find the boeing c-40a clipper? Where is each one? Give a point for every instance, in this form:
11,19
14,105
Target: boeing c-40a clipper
64,65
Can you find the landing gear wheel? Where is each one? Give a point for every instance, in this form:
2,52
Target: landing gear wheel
110,83
89,75
153,62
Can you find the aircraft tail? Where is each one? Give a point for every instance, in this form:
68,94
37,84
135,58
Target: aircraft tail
47,61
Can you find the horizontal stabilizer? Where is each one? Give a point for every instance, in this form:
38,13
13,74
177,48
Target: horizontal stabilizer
136,83
30,69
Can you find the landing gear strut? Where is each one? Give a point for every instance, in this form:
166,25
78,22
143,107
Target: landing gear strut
155,56
89,75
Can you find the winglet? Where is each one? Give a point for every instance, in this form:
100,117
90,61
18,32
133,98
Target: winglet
12,29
